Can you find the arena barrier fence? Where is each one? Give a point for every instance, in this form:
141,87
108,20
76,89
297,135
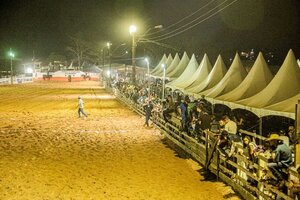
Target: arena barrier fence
236,171
16,80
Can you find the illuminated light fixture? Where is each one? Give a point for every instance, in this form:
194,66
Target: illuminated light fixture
132,29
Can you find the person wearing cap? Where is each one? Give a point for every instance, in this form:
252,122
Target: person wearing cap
283,156
80,107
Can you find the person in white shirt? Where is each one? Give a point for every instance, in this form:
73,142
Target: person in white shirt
80,107
229,125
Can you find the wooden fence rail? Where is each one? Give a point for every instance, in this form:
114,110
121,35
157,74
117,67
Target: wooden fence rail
219,164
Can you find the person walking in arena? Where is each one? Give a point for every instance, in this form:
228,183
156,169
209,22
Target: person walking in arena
80,107
148,107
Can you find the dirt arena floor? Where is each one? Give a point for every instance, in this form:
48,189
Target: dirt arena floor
47,152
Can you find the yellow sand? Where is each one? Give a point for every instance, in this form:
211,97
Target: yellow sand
47,152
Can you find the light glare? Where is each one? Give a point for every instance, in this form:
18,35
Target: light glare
132,29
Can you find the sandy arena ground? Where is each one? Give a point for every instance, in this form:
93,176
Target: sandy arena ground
47,152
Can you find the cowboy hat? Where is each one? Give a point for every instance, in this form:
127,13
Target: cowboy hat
274,137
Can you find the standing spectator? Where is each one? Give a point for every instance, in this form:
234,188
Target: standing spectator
170,107
292,135
249,148
184,114
205,120
148,106
229,125
80,107
249,153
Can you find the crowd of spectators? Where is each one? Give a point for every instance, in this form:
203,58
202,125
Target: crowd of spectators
196,116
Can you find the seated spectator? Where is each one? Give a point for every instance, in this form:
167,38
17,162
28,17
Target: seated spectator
282,159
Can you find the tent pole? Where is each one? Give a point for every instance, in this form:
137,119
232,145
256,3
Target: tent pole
260,129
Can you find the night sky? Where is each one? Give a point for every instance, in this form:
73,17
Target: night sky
44,26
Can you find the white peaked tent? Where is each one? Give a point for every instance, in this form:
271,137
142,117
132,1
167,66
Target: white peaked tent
231,80
298,61
204,70
217,73
172,65
180,67
159,72
200,72
162,60
257,79
284,85
287,105
186,75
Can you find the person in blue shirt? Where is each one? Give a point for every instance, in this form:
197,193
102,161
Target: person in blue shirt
282,159
184,114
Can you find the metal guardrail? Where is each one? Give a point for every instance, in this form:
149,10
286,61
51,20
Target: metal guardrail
16,80
201,152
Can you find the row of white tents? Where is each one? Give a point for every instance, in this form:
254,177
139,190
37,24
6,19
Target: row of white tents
257,91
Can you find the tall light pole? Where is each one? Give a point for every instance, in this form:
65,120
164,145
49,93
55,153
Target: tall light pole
11,55
103,58
132,31
108,44
163,81
148,74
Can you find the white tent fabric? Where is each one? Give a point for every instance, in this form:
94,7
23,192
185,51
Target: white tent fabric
298,61
217,73
162,60
173,64
200,73
258,111
231,80
204,71
257,79
287,105
179,68
284,85
186,75
159,72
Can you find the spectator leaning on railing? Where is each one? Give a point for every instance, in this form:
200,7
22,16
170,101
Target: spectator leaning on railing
282,159
229,125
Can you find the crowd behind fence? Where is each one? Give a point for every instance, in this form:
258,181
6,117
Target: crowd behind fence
239,159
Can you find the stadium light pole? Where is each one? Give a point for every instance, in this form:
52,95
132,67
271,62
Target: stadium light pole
108,44
132,31
163,81
148,75
11,55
